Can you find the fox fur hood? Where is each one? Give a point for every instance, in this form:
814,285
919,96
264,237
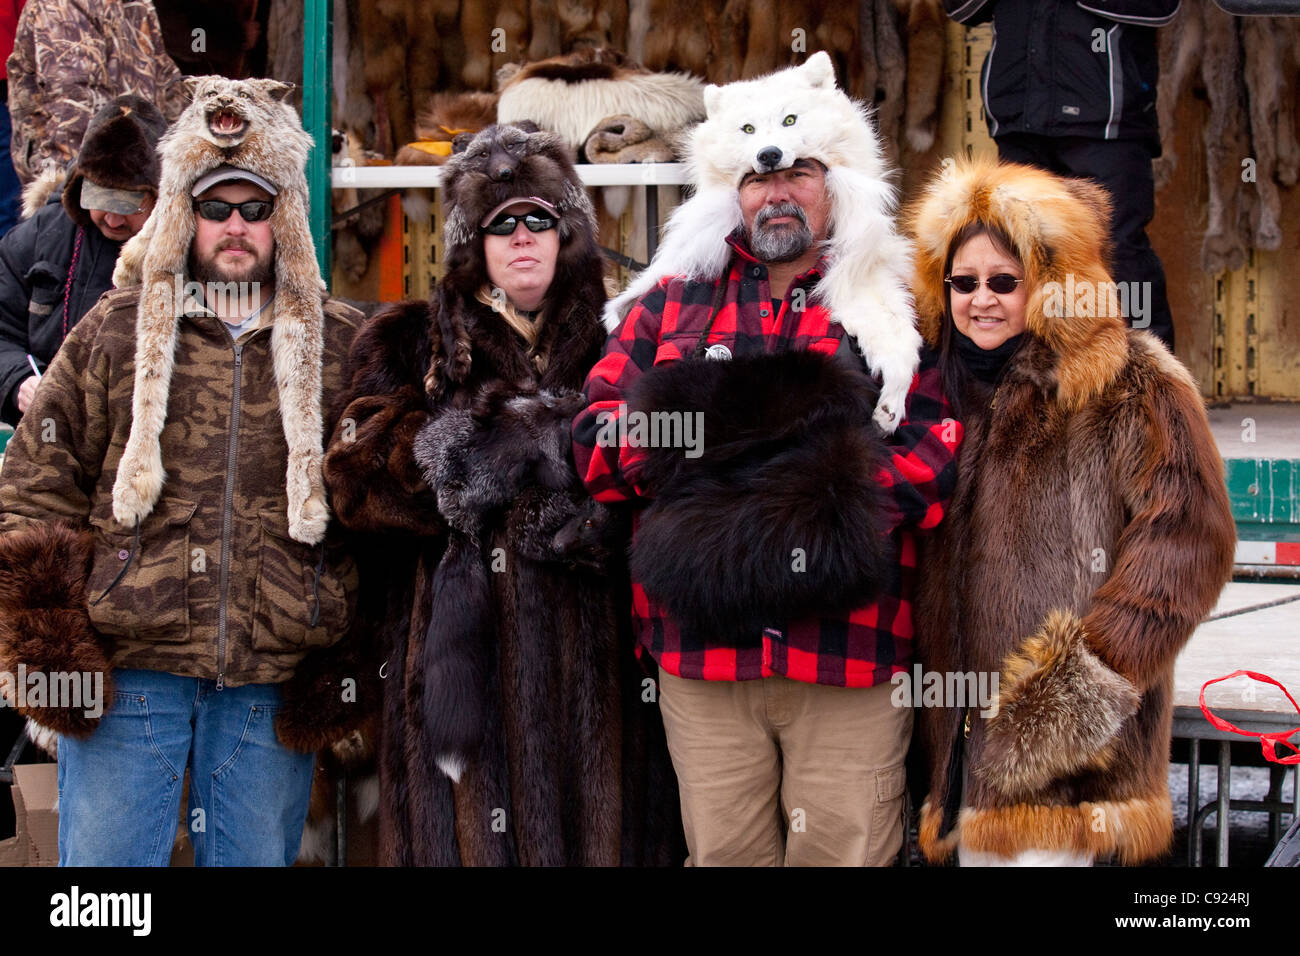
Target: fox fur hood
1059,228
248,124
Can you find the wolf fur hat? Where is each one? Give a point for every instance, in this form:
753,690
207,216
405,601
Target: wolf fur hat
248,124
764,125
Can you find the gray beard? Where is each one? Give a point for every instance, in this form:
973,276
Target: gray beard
783,243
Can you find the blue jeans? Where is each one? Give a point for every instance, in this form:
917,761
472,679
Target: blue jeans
120,788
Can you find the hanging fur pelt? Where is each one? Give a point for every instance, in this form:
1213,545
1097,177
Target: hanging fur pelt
1248,67
780,514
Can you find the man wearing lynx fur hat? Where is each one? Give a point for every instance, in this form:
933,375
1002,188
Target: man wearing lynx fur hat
151,544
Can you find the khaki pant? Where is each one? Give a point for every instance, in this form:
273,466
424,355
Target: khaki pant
777,772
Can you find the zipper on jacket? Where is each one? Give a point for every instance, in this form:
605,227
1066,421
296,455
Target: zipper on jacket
227,515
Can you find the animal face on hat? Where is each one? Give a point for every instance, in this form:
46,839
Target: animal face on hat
766,124
503,163
232,109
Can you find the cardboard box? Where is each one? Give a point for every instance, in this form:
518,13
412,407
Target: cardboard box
36,807
13,851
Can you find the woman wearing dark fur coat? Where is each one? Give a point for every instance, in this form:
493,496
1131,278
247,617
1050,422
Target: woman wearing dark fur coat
503,719
1089,534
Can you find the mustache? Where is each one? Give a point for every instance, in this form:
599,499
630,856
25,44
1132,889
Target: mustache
234,244
780,209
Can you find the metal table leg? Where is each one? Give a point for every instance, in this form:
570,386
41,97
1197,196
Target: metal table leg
1225,785
1193,799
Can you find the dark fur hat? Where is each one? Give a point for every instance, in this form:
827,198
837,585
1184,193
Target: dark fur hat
119,151
506,161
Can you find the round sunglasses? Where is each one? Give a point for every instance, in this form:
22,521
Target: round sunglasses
504,225
1000,284
215,210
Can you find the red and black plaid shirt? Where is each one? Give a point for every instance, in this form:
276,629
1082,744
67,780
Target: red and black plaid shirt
860,649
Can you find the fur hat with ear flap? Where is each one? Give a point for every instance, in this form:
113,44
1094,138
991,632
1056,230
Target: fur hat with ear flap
1059,228
763,126
247,124
119,151
501,165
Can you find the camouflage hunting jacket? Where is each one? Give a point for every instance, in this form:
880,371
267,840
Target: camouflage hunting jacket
70,58
211,585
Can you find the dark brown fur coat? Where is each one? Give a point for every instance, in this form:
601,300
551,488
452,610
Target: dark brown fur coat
1089,534
508,667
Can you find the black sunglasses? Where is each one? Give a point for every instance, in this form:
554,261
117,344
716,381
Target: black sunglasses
254,210
504,225
1000,284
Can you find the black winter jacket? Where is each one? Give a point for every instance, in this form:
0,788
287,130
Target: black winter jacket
1064,68
34,260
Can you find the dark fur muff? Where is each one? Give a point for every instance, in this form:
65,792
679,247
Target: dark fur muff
780,517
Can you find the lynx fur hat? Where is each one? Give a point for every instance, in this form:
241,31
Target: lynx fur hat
765,125
247,124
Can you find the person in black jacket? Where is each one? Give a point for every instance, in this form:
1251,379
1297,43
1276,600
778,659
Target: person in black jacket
1071,87
56,264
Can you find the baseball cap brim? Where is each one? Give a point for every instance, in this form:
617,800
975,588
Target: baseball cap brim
122,202
534,200
229,174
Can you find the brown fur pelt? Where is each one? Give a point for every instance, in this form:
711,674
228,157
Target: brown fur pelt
446,116
44,624
926,31
1249,67
1089,533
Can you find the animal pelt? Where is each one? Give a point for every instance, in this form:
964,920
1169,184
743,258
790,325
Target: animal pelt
1059,709
446,116
1248,68
479,460
705,40
571,95
800,114
244,123
781,514
926,25
625,139
44,624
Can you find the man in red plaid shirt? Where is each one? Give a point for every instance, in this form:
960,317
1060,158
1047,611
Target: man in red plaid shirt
788,748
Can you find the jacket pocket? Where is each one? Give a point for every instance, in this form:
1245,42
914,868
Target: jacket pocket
305,594
139,580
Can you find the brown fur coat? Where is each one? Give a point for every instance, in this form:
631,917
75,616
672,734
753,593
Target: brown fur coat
1089,534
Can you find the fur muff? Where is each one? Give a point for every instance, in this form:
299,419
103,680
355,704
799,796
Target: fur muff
268,139
1090,517
800,114
780,515
1059,709
44,625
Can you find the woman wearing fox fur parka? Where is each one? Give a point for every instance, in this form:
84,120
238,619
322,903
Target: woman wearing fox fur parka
1089,534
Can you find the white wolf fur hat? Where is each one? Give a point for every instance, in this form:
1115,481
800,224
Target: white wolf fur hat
248,124
764,125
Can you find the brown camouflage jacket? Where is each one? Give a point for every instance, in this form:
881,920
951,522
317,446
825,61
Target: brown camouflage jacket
212,585
70,58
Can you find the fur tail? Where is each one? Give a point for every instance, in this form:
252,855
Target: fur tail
453,657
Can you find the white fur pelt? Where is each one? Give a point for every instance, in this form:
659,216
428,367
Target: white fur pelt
272,143
866,286
663,101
